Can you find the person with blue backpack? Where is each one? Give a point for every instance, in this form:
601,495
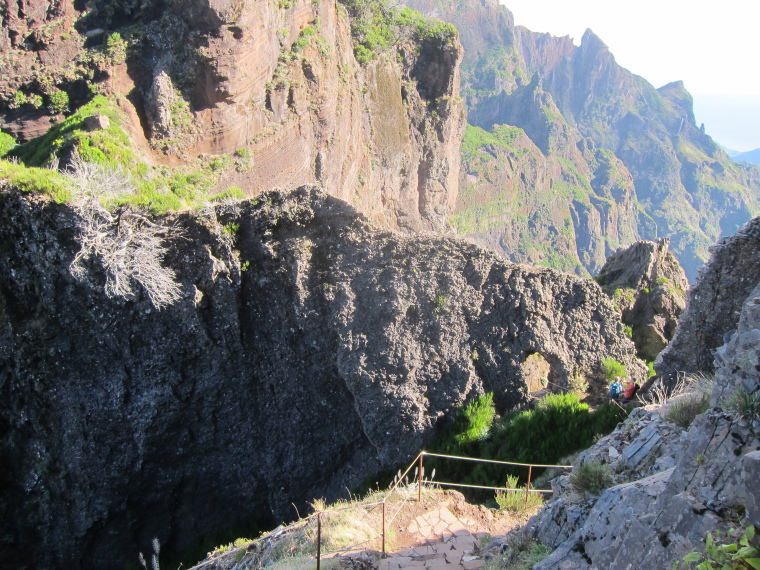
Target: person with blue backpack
616,388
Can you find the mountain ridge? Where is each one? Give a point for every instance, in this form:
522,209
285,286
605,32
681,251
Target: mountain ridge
683,185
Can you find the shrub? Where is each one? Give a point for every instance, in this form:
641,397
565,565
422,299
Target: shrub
7,143
116,48
742,403
59,102
515,501
613,368
741,554
129,247
683,411
592,477
475,420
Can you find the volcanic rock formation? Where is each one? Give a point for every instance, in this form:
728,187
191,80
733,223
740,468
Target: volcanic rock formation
714,305
308,352
672,486
649,286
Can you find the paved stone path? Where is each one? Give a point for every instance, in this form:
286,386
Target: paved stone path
446,543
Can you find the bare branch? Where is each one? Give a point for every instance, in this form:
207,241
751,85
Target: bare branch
129,247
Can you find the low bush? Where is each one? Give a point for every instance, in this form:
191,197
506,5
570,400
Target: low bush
613,368
515,501
591,477
683,411
7,143
558,426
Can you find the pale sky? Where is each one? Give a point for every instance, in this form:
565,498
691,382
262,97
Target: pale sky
713,47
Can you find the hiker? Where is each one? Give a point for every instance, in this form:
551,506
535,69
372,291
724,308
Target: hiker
630,391
616,388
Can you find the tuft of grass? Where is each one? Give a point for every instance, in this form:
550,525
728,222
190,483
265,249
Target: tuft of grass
231,193
522,553
683,411
35,180
475,420
592,477
741,403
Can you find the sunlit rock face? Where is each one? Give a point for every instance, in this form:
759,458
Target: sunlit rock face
714,305
671,486
277,79
308,352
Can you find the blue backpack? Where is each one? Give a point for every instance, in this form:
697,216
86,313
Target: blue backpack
616,388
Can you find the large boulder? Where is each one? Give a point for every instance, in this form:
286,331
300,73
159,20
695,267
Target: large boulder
714,305
649,286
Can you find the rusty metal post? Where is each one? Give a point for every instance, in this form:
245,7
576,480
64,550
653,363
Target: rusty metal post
527,486
383,528
319,538
419,481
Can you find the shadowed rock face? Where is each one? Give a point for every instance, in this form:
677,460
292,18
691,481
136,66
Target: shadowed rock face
649,286
311,354
714,305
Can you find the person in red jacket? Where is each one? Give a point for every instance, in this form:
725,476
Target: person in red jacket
630,391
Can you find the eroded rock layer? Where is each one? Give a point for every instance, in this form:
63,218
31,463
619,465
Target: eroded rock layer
276,79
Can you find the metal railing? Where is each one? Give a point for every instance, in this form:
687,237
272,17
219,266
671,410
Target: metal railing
385,522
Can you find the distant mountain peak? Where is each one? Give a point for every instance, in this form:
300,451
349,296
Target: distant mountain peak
590,41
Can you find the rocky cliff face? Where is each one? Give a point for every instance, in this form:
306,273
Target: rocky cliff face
309,351
673,486
649,286
668,178
714,305
277,79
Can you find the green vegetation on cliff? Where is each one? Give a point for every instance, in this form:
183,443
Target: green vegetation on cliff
557,426
377,25
158,189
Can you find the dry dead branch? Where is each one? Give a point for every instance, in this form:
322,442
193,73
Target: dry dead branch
129,246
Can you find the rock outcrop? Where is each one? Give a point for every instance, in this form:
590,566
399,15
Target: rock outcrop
309,351
649,286
673,486
667,178
278,79
714,305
